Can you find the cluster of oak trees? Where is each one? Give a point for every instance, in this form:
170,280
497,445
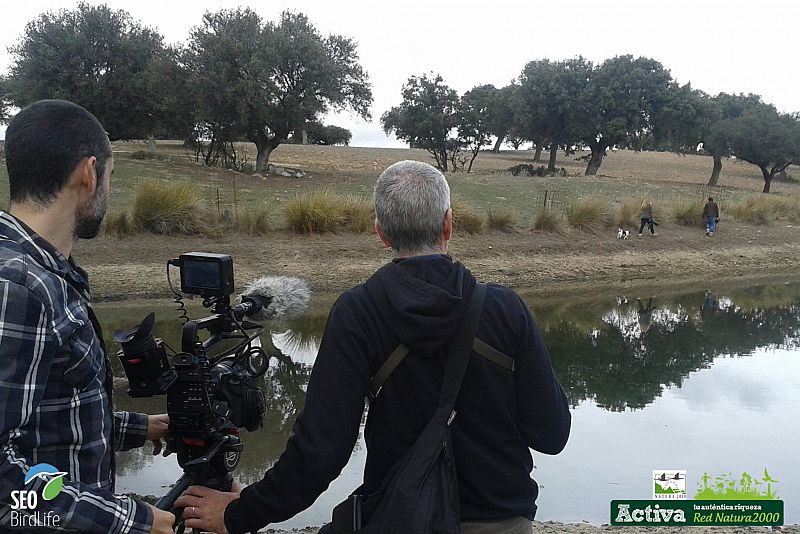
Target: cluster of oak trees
238,78
241,78
623,102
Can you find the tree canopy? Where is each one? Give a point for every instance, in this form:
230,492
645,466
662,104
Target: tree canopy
765,138
261,81
94,56
426,118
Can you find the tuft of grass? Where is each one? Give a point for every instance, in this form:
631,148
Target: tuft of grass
547,221
588,214
168,209
359,213
763,209
323,211
501,220
316,212
629,212
255,221
466,219
688,213
119,225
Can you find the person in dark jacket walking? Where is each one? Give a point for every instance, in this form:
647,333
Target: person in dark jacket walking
416,299
711,216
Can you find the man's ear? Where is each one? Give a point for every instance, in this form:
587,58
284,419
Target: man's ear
447,225
84,177
379,231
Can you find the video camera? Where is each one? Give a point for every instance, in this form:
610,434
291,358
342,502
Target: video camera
209,397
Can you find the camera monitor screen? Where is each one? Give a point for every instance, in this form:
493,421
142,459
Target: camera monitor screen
209,275
201,274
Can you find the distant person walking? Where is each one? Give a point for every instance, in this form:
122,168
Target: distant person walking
646,217
711,216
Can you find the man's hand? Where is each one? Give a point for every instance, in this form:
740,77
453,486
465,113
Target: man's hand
162,521
204,508
157,429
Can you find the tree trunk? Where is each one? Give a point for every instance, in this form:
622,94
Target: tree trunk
499,142
537,156
151,144
305,136
717,170
767,179
262,157
551,165
595,161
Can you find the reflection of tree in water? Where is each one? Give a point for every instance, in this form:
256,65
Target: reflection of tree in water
620,367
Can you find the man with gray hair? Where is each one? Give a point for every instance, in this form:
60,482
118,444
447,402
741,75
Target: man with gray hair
505,406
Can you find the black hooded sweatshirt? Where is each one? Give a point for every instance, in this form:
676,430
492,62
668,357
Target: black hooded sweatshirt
500,414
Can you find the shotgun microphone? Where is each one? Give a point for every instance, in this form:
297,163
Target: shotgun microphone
270,297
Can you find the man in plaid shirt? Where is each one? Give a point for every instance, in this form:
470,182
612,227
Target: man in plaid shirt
55,379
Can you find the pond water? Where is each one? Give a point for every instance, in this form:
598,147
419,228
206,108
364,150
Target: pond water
706,381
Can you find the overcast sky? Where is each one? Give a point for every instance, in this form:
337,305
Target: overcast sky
731,46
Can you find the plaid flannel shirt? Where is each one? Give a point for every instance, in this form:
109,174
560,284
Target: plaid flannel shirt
56,405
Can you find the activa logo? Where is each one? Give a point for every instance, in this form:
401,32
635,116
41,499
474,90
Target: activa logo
25,502
649,514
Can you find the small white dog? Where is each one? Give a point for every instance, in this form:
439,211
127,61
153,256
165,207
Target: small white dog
622,234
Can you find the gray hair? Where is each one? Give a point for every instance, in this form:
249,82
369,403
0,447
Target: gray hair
411,200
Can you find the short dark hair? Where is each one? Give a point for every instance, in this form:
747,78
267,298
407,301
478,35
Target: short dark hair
45,142
710,199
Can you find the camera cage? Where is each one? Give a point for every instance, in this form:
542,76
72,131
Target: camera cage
209,397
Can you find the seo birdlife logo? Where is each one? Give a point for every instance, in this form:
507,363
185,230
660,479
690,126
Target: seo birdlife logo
25,502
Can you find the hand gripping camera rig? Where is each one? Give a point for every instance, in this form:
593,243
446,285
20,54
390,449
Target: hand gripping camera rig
209,398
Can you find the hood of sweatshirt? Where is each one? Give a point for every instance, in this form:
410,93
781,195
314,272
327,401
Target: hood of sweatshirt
420,299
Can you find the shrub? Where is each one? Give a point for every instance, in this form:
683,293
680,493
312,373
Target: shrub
688,213
547,220
323,211
466,219
359,213
314,213
146,155
501,220
119,225
763,209
629,212
588,214
166,208
255,221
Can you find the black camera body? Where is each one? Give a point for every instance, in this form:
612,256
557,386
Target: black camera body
208,398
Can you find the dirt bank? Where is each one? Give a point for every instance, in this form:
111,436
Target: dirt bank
531,262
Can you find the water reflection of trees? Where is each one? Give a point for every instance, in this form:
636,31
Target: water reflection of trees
599,350
619,365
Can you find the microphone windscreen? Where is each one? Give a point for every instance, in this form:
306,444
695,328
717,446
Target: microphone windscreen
288,296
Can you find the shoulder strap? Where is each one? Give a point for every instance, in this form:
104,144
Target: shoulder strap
398,355
385,371
461,347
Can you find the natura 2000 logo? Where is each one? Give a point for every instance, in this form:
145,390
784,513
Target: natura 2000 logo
24,502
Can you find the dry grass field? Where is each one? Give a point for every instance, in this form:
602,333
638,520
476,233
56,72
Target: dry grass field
560,259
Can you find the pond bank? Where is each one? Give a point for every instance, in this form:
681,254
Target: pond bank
531,262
